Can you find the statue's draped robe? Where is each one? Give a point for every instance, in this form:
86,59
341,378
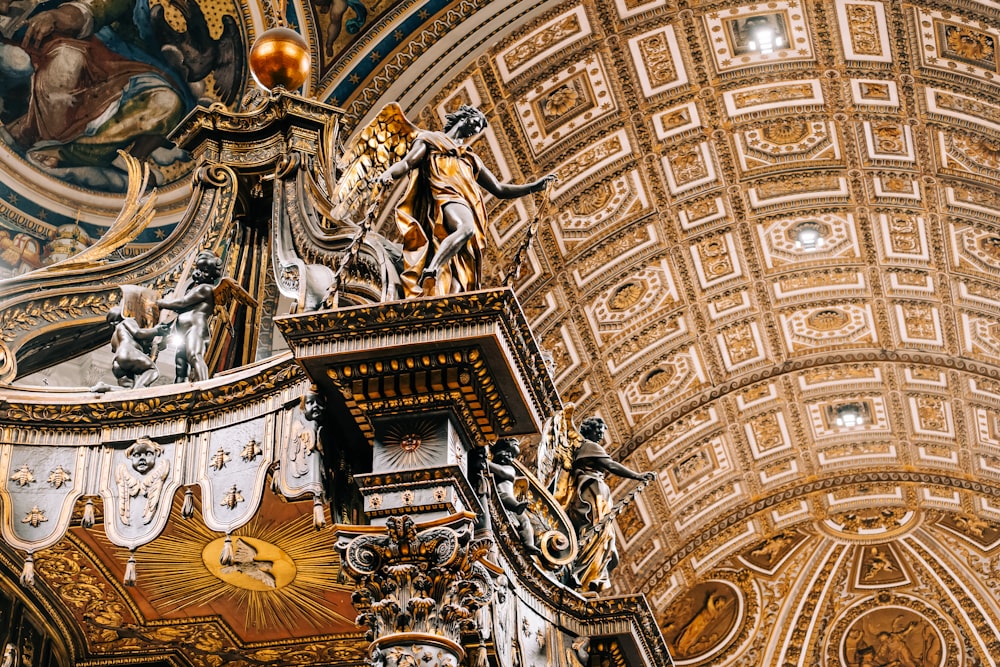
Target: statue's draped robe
447,174
591,502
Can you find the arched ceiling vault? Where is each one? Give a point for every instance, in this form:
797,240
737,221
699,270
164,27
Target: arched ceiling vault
775,272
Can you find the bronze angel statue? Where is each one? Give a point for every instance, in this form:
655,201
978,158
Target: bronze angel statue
195,306
441,218
573,464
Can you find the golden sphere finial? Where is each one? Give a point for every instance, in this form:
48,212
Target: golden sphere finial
280,57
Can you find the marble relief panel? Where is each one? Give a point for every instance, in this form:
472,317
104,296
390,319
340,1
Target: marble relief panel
700,212
931,416
875,94
788,143
690,167
741,345
565,103
820,283
950,107
972,201
716,260
695,468
782,247
953,43
656,57
676,120
796,96
864,33
974,155
799,190
768,435
917,323
652,289
902,237
895,189
887,142
553,36
629,8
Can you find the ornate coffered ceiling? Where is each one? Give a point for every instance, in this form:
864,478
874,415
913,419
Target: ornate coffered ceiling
683,299
775,272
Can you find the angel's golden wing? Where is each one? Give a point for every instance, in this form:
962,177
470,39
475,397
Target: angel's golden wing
132,219
556,452
228,290
382,143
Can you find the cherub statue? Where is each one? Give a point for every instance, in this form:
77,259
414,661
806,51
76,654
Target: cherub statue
143,455
504,451
195,308
135,335
305,437
442,217
574,465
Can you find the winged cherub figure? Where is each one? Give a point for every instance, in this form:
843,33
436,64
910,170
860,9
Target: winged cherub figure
144,455
442,217
195,308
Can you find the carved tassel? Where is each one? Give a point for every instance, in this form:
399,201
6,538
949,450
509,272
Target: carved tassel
275,485
129,579
226,557
319,519
88,514
28,573
187,508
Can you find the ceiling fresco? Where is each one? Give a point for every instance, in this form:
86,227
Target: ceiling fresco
771,264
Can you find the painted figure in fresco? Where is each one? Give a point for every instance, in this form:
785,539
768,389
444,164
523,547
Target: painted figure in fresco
591,502
695,635
144,457
99,77
504,451
336,10
442,218
133,365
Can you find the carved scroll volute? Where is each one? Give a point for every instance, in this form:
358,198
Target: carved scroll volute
417,591
555,536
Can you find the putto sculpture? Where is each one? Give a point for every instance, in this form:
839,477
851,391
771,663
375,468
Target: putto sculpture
135,340
195,307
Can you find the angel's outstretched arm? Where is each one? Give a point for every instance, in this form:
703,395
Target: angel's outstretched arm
489,182
410,161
